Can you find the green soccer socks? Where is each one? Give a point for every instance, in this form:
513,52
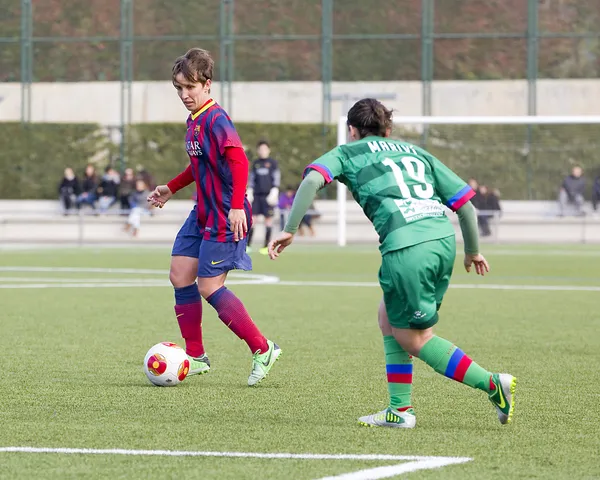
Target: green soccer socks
399,369
451,361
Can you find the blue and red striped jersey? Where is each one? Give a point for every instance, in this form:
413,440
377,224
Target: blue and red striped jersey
209,132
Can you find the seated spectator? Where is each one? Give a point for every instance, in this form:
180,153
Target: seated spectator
89,186
126,189
488,206
285,205
596,193
572,191
108,189
68,190
139,207
307,221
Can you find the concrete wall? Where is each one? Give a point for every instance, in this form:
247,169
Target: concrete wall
296,101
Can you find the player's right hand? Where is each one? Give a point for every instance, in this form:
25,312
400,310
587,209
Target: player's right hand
160,196
284,239
481,264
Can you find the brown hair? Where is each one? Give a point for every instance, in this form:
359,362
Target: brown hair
370,117
196,66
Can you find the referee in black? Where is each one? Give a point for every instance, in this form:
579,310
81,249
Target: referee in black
263,191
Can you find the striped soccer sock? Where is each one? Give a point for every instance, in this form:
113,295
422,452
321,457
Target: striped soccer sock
399,368
451,361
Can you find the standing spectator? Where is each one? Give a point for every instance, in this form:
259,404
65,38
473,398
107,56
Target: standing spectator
139,207
572,191
108,189
69,190
474,184
263,191
596,193
126,189
89,186
489,204
286,199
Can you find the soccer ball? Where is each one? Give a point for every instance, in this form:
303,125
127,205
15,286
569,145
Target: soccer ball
166,364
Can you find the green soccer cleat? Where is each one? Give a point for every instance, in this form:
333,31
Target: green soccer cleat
390,418
503,396
264,251
199,365
262,363
248,249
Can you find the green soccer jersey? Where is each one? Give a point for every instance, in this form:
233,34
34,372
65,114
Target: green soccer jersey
401,188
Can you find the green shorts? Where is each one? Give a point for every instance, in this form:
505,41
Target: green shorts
414,281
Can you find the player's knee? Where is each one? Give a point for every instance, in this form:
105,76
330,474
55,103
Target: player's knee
180,277
413,340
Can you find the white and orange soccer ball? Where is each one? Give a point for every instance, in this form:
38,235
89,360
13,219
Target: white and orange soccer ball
166,364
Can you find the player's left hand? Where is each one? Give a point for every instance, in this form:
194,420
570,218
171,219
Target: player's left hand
283,240
481,264
238,222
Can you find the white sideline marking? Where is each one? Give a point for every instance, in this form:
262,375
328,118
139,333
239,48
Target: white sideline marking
414,462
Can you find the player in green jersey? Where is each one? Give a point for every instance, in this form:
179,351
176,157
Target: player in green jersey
402,189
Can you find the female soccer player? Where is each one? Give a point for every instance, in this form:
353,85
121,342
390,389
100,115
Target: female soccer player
402,190
212,241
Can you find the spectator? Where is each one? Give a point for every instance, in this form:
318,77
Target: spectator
489,204
68,190
596,193
108,189
139,207
263,191
572,191
307,221
126,189
474,184
89,186
144,175
286,199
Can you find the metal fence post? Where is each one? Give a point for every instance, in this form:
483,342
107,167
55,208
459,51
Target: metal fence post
26,59
326,62
126,67
427,29
532,72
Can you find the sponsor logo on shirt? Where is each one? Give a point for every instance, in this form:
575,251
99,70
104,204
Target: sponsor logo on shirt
414,209
192,147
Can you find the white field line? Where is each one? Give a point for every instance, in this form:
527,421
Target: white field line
393,470
237,278
413,464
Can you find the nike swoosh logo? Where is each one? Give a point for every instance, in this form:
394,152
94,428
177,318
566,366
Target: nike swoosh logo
181,314
216,263
268,359
502,403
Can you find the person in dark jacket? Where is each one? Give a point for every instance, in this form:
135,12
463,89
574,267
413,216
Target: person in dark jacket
572,191
126,189
89,186
108,188
596,193
488,205
263,191
68,190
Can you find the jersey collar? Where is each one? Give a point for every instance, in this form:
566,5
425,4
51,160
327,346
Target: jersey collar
203,109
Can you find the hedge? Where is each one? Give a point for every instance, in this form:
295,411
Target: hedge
33,157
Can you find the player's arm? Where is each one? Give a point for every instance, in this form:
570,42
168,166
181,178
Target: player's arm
467,219
305,196
163,193
238,164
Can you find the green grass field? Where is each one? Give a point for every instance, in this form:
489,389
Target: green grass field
72,369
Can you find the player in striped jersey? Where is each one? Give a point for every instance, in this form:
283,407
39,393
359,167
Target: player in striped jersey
212,241
402,189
